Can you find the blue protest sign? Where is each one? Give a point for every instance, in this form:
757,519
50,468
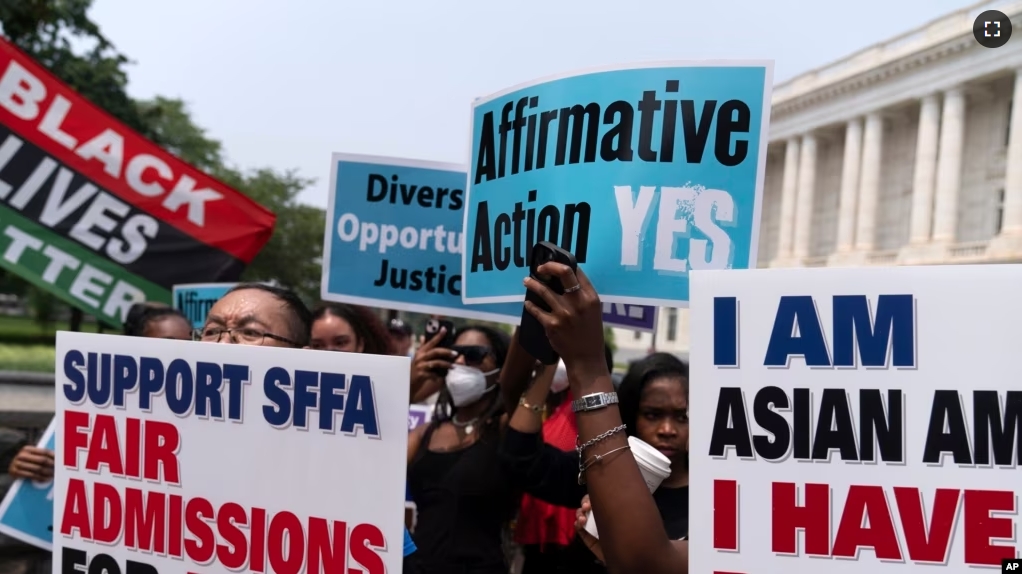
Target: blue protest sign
644,173
196,299
394,239
634,317
26,513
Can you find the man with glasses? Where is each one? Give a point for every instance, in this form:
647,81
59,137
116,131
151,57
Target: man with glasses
258,314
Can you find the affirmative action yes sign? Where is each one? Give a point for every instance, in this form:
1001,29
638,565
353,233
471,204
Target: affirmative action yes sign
644,173
176,456
98,215
870,415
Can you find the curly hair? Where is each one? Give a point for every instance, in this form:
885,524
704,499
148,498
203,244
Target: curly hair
368,327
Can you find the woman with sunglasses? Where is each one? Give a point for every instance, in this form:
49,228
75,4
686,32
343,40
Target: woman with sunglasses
463,498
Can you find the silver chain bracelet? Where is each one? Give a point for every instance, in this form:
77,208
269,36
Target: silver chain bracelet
580,448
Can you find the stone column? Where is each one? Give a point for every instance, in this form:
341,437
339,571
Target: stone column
804,199
789,190
1013,175
949,166
869,183
849,186
925,176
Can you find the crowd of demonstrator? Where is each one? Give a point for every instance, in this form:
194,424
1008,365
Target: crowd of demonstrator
504,474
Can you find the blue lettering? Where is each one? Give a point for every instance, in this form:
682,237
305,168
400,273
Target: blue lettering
237,377
797,332
725,331
180,387
797,314
125,377
74,388
208,381
150,381
101,386
893,327
331,399
360,408
279,413
306,396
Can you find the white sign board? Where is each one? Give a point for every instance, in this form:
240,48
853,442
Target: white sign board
174,456
855,420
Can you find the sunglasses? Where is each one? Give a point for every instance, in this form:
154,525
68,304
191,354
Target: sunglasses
472,353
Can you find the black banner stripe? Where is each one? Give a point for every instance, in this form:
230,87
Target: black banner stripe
171,257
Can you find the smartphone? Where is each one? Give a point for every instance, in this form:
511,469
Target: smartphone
433,327
531,335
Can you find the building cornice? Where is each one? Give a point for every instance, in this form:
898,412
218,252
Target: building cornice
927,45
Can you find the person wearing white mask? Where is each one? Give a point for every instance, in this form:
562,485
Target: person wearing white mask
463,497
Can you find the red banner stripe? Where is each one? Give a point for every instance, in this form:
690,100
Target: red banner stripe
40,108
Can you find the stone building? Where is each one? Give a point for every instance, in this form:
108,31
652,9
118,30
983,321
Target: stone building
904,153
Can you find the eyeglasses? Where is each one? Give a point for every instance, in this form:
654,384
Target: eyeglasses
474,354
241,336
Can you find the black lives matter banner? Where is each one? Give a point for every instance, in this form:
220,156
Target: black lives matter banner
100,216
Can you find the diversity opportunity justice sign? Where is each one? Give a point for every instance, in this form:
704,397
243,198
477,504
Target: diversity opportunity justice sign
99,216
191,457
394,238
195,300
644,173
869,415
26,513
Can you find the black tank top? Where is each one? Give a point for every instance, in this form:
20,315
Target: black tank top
463,501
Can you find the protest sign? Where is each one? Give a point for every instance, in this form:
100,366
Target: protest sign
98,215
195,300
643,173
394,238
26,513
634,317
177,456
419,415
870,415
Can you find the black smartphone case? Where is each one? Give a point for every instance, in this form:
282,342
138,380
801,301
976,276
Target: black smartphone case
531,335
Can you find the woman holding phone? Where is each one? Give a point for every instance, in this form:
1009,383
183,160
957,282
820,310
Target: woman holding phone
464,499
632,533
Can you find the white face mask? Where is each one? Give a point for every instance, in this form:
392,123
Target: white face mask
560,382
467,384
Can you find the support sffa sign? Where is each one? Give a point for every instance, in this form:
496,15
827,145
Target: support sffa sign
872,416
100,216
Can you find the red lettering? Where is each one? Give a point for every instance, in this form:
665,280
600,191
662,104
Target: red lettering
725,514
981,527
326,553
133,448
76,510
145,519
202,548
104,446
106,515
257,560
161,442
927,544
862,503
366,539
175,526
286,524
788,517
74,439
234,554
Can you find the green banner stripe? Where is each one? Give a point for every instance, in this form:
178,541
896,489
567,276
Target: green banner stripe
77,276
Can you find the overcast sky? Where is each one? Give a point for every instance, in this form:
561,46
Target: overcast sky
285,84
